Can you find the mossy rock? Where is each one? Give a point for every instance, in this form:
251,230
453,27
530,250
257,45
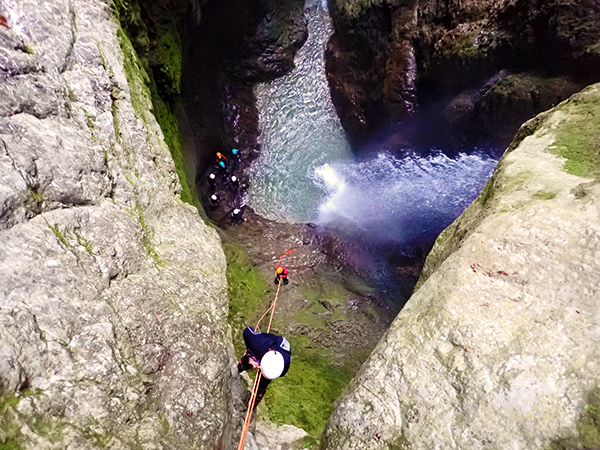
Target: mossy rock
578,140
589,429
153,70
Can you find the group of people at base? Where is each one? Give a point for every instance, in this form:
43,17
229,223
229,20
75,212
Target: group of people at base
222,177
268,352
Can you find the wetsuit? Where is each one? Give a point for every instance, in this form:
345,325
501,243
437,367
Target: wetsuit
212,179
237,214
257,344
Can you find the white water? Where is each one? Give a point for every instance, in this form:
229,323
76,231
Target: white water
400,200
300,131
306,172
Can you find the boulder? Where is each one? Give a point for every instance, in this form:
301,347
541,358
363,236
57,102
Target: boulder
499,345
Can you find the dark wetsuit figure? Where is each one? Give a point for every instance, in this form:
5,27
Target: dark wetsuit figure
257,344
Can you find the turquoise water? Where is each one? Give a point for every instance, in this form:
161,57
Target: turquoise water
300,131
307,173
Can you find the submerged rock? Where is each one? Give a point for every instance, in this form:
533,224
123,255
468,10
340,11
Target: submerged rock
498,347
113,299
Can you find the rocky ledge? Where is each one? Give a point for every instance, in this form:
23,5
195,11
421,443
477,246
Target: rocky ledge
498,348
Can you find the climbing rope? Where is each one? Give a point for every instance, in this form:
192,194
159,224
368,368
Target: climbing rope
259,373
249,412
258,377
287,252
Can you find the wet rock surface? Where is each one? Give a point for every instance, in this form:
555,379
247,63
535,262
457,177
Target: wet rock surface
424,54
498,347
313,266
113,299
235,45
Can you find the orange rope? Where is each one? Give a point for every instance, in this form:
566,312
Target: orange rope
274,303
249,412
287,252
258,373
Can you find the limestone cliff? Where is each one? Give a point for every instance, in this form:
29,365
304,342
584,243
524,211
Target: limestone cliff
112,290
499,346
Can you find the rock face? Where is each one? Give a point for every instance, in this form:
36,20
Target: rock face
390,59
235,45
112,290
499,346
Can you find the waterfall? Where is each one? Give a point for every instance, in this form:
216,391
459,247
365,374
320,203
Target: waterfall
306,172
401,201
300,130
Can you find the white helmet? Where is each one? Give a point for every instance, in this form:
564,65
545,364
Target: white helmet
271,365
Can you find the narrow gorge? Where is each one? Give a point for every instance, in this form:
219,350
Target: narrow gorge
426,170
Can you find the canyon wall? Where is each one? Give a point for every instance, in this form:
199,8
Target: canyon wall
113,300
475,70
498,347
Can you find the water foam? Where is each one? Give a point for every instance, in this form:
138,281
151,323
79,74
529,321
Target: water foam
403,200
300,130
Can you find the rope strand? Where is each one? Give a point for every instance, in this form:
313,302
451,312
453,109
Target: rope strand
259,373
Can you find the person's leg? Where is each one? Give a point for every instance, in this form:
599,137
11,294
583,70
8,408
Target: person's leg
285,281
262,389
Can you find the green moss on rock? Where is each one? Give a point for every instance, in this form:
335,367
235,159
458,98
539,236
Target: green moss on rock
11,421
166,59
305,396
588,430
544,195
465,46
578,140
353,9
147,234
170,128
247,289
153,70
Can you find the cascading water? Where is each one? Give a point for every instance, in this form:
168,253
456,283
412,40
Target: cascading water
387,200
300,131
307,173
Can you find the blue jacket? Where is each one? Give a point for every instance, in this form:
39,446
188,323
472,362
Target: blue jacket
260,343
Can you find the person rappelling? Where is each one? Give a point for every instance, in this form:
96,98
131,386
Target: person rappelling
268,352
281,274
214,200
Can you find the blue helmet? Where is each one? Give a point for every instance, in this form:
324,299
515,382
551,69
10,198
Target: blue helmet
234,151
221,163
